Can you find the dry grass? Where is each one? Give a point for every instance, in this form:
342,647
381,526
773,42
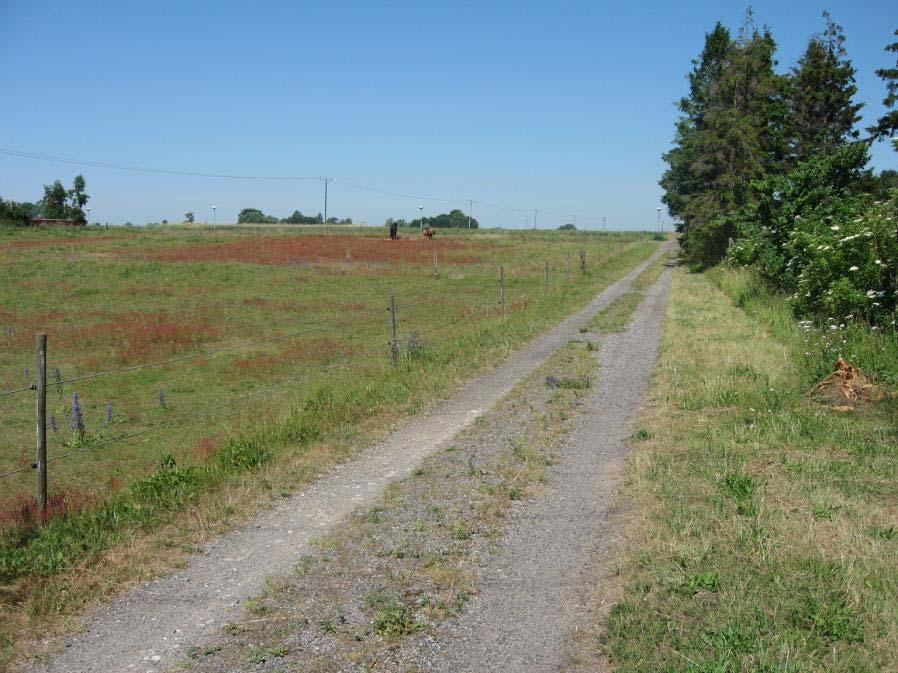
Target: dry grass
762,525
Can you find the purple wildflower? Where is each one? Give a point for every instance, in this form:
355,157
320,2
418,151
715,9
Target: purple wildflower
53,426
107,415
77,419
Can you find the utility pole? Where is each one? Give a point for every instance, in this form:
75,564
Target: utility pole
535,211
470,208
659,217
575,220
604,220
327,181
421,216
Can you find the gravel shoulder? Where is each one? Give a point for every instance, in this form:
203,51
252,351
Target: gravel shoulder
150,627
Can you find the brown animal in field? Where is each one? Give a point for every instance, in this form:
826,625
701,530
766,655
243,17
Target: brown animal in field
428,233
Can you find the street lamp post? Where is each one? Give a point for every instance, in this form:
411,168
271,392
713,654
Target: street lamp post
213,217
659,217
88,215
421,216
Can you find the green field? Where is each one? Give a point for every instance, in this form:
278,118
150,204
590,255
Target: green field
114,299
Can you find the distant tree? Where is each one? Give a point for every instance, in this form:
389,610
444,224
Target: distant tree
346,220
17,214
567,227
59,204
332,220
821,88
164,221
298,218
887,125
255,216
78,198
454,218
54,201
188,217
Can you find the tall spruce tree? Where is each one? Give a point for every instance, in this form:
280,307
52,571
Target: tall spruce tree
681,182
730,137
821,89
887,125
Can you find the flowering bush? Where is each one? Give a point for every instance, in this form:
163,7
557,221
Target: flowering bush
848,269
833,250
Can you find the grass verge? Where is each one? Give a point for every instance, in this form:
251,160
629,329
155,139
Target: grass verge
762,531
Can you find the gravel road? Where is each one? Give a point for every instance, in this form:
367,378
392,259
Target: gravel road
533,594
147,628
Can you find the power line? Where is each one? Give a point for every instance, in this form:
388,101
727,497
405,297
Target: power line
145,169
229,176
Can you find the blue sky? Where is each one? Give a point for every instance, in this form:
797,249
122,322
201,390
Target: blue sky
565,107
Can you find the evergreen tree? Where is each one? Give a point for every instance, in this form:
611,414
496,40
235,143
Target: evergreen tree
730,136
887,125
681,182
821,89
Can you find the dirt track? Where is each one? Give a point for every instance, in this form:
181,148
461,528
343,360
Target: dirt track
148,628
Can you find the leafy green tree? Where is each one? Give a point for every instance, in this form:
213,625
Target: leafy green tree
60,204
255,216
188,217
16,214
887,125
454,218
567,227
54,203
821,89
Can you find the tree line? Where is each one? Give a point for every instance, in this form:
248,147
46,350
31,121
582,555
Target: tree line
58,203
769,170
256,216
454,218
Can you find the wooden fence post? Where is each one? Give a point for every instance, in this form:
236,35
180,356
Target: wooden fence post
546,277
41,415
502,288
394,345
583,261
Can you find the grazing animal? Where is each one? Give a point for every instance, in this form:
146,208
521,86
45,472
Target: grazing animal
393,228
428,233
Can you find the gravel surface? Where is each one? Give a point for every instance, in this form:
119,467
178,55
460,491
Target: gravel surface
533,594
148,628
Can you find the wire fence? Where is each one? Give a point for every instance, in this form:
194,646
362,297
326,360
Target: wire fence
466,303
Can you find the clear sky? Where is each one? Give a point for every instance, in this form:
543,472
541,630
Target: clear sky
561,106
